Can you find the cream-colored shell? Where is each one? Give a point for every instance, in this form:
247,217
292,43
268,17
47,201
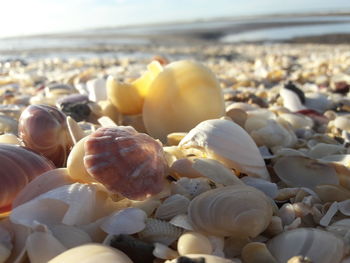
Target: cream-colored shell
91,253
231,210
320,246
182,95
228,143
194,243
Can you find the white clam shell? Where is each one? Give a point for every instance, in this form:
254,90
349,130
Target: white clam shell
194,243
228,143
291,100
127,221
182,221
172,206
231,210
297,171
321,150
268,188
70,236
320,246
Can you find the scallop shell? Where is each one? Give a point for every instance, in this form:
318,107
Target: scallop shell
298,171
19,166
126,162
231,210
320,246
160,231
43,128
183,87
228,143
92,253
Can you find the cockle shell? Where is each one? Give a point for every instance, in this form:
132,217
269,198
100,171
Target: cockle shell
320,246
19,166
43,128
183,87
228,143
231,210
126,162
92,253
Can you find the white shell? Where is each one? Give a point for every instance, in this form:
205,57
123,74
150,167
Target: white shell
231,210
127,221
97,89
194,243
164,252
172,206
291,100
320,246
190,187
268,188
228,143
70,236
5,244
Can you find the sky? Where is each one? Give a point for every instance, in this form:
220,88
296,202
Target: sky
24,17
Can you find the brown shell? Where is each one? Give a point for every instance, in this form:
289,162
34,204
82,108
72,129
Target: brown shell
19,166
125,161
43,128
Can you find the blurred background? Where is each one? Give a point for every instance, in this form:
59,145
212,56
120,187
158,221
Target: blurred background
66,28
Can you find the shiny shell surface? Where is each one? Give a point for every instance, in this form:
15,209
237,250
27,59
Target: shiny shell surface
126,162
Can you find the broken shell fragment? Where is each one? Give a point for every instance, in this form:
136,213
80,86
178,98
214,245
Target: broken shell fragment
298,171
43,128
231,210
126,162
182,87
228,143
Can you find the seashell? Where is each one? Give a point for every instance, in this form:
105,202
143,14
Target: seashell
148,205
275,227
297,121
182,87
215,171
97,89
160,231
340,228
320,246
321,150
249,214
10,138
332,210
331,193
239,116
126,162
299,259
42,184
268,188
317,101
42,246
182,221
19,166
127,221
172,206
76,106
92,253
5,244
135,249
297,171
193,243
228,143
287,214
199,258
174,138
70,236
233,245
109,110
135,121
291,100
184,168
190,187
106,122
344,207
43,128
75,131
342,122
8,124
256,252
163,252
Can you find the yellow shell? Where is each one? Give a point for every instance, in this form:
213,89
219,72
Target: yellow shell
182,95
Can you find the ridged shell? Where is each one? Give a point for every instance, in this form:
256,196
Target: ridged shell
43,128
126,162
182,95
19,166
320,246
228,143
172,206
231,210
160,231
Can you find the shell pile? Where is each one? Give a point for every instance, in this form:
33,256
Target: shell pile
119,160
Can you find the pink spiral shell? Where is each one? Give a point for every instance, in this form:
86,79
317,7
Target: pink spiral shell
126,162
43,128
19,166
